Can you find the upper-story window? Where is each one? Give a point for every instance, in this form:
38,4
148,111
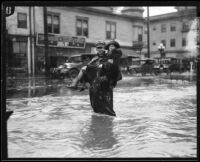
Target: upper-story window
140,30
172,42
185,27
163,42
173,27
163,28
110,30
20,51
137,33
22,20
53,23
183,42
82,26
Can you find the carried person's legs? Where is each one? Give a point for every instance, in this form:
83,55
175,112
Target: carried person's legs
78,78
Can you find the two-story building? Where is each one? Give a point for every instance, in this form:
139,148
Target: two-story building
71,30
177,31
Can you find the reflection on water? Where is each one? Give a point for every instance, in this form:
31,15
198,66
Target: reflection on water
99,135
156,117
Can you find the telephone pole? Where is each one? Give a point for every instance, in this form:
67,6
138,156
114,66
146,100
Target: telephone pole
148,34
47,68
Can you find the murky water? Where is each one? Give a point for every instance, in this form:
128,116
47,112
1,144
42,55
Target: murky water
155,118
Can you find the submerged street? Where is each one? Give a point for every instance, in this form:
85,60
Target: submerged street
156,117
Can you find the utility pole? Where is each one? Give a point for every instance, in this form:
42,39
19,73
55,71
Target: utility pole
148,35
30,44
47,69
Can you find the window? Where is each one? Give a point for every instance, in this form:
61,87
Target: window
163,42
154,43
172,43
173,27
82,26
154,28
20,52
110,30
183,42
140,29
53,23
22,20
185,27
163,28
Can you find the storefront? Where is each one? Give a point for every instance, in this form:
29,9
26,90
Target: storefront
17,60
60,48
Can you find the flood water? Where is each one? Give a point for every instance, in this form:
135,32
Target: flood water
155,118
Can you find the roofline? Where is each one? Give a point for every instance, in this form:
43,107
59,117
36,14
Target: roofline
171,15
110,13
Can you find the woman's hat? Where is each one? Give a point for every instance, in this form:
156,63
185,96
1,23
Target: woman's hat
115,43
100,43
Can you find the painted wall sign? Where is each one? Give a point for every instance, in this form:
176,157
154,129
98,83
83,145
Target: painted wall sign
55,40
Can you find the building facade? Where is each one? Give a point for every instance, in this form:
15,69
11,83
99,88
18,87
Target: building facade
177,31
71,30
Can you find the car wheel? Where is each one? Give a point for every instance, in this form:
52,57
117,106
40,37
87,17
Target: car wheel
73,73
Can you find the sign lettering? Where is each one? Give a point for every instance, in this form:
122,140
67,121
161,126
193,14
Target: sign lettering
55,40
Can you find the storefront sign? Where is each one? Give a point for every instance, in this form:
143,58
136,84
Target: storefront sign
55,40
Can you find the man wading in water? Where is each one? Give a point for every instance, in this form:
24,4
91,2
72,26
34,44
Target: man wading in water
102,73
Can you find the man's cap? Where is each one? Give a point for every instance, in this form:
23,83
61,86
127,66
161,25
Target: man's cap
100,43
113,42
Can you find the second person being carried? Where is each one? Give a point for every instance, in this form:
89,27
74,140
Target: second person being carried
110,60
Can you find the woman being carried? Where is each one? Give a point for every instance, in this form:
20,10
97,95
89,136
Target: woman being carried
102,73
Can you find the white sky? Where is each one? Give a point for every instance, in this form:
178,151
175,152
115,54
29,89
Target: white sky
156,10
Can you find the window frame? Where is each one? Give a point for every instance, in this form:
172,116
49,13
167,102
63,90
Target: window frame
184,42
82,20
185,25
174,42
53,14
173,27
20,56
18,21
165,42
163,31
110,23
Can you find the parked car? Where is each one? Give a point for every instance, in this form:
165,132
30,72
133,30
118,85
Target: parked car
179,65
72,67
128,63
142,66
135,67
147,66
162,65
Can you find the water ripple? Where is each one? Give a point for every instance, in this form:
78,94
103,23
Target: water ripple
153,120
